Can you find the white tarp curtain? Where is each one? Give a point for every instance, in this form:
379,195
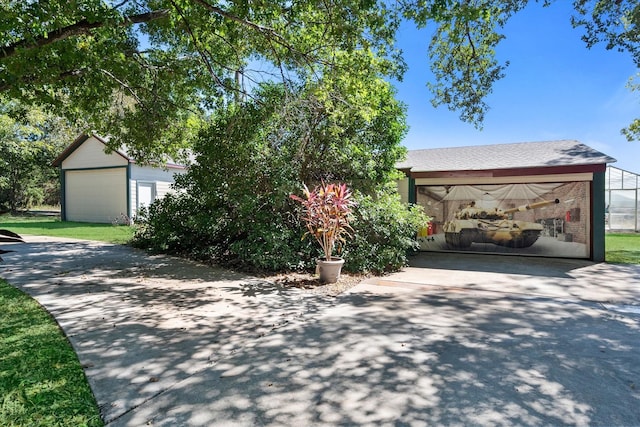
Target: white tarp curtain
530,192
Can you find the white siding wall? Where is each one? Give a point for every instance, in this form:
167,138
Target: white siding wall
91,155
133,194
148,173
160,177
162,188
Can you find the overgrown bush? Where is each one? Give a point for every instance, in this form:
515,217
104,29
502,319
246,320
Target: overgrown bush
384,233
233,206
262,239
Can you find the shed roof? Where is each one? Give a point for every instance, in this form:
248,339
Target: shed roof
77,143
503,156
122,151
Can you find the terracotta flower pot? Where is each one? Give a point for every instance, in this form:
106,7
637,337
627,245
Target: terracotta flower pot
329,271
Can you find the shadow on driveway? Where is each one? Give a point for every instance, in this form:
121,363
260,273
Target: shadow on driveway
167,342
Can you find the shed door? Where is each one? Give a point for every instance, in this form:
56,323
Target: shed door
98,195
146,193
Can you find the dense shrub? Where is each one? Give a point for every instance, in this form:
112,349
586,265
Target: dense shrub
263,239
233,206
384,233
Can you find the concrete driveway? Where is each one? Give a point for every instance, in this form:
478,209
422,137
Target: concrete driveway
454,340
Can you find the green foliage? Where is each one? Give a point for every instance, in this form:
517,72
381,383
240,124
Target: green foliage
247,233
632,132
30,139
617,25
233,206
462,59
41,380
139,70
384,232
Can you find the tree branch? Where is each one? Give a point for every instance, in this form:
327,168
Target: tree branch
122,3
268,32
31,79
245,22
80,27
196,45
204,53
124,86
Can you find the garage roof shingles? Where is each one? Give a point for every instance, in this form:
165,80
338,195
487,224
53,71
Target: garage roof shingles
503,156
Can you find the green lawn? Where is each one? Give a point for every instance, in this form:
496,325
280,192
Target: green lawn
52,226
41,380
623,248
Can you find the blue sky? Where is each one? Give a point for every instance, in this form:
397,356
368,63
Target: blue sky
555,88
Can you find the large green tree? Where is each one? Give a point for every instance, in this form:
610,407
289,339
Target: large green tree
30,139
235,206
141,70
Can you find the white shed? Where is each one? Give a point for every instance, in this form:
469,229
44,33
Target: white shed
107,187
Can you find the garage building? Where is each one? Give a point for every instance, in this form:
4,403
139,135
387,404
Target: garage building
532,198
107,187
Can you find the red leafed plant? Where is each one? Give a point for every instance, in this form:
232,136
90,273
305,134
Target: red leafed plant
326,214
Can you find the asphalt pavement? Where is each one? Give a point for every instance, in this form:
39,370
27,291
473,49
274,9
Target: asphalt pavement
452,340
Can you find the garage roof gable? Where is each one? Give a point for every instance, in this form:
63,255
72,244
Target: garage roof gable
122,152
524,155
78,143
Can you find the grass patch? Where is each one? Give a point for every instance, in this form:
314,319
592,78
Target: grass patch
52,226
622,248
41,380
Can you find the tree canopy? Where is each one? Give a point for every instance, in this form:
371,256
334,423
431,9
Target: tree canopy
145,71
233,205
30,139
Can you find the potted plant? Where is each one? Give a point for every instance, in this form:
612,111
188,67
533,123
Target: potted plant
326,213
